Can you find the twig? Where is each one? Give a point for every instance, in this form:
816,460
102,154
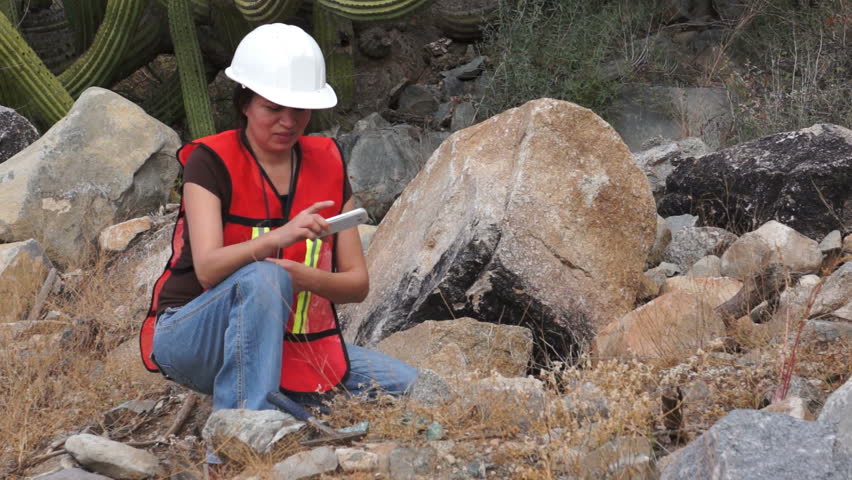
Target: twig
180,418
35,312
786,372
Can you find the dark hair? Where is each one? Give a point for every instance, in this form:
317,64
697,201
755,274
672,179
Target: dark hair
242,98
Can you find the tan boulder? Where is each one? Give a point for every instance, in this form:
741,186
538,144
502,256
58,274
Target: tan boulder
537,217
773,242
463,346
713,291
670,326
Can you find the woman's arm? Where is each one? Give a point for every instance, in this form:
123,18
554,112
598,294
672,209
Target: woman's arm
212,261
350,284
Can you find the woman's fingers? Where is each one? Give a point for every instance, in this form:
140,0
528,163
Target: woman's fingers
319,206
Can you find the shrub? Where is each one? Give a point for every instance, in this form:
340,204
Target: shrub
569,49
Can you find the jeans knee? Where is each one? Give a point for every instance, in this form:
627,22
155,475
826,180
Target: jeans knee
268,281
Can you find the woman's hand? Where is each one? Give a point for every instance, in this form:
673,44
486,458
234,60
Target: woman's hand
299,273
308,224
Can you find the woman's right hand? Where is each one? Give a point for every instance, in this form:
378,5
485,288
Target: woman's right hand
308,224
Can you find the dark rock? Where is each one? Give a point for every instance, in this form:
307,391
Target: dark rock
375,42
16,133
419,100
801,179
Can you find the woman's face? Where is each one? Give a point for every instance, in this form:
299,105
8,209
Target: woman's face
274,128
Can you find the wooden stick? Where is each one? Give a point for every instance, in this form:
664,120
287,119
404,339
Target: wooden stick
35,312
180,418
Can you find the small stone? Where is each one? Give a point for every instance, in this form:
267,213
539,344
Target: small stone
117,237
831,243
306,464
112,458
357,460
435,431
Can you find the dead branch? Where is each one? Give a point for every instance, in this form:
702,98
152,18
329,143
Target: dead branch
764,285
180,418
46,287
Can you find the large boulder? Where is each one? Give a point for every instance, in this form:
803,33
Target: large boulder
16,133
800,179
773,242
537,216
105,162
761,445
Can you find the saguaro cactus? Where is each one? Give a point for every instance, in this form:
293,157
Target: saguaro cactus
372,10
267,11
97,65
335,35
48,101
193,81
85,16
11,9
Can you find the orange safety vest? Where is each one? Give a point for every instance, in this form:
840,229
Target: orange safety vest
314,357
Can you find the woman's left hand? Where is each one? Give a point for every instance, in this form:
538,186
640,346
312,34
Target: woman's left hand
299,272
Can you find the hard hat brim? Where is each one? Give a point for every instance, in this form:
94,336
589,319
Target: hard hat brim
312,100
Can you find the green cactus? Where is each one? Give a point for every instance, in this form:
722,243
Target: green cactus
48,100
150,39
200,8
230,23
334,35
51,37
11,8
166,107
372,10
267,11
463,22
85,16
193,81
98,64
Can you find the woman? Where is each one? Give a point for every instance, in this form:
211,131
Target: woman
245,305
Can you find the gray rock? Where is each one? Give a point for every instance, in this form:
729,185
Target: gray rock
375,42
306,464
421,100
837,412
661,272
72,474
835,296
430,390
670,112
799,178
70,184
257,429
464,116
709,266
468,71
759,445
483,230
661,241
831,243
381,161
690,244
112,458
827,331
412,463
678,222
16,133
659,162
357,460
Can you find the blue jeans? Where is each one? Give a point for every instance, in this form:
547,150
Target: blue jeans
227,343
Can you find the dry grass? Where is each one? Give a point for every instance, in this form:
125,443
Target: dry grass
591,416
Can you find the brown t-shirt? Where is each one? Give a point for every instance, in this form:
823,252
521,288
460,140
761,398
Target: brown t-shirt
203,168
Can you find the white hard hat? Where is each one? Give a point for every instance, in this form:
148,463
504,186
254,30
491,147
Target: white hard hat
283,64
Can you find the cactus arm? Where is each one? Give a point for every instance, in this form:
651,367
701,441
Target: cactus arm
168,106
48,99
372,10
231,24
150,39
85,16
267,11
193,81
98,64
11,8
334,35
